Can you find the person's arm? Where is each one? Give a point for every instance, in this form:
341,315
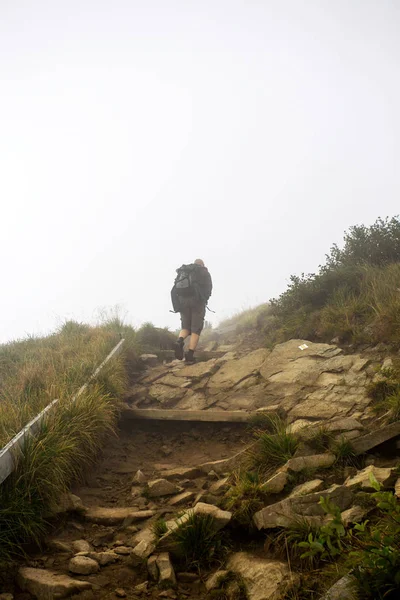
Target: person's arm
209,285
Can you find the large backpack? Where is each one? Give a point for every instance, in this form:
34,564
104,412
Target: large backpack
186,288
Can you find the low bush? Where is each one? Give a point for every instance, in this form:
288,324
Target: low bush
198,543
245,497
273,447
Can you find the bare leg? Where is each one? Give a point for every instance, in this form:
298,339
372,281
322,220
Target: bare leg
194,340
184,334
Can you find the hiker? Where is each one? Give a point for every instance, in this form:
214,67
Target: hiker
190,294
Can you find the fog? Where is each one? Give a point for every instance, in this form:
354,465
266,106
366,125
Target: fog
137,136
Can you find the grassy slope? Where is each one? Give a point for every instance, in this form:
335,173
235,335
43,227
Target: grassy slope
354,297
32,373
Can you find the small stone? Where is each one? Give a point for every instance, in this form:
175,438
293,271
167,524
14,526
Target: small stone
83,565
120,593
276,483
355,514
104,558
220,486
344,589
308,487
152,568
58,546
383,476
141,588
183,473
166,570
123,550
183,498
140,478
161,487
166,450
310,462
187,577
115,516
397,488
81,546
214,581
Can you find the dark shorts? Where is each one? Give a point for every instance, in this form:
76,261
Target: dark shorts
192,318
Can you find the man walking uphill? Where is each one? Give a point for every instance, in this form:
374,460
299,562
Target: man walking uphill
190,294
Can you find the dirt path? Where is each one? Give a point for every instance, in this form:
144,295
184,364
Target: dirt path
154,448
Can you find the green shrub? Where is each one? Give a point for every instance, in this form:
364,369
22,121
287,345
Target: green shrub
160,527
245,497
354,296
344,452
327,542
197,541
375,559
151,339
321,439
273,449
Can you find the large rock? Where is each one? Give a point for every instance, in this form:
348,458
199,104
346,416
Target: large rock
288,511
161,487
49,585
234,371
83,565
264,579
377,437
114,516
309,383
384,476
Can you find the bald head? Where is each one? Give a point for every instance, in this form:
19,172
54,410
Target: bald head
198,261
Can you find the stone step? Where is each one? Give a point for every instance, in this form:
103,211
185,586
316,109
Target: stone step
205,416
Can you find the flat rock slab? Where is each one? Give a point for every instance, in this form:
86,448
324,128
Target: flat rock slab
49,585
235,371
284,513
197,371
207,416
264,579
369,441
114,516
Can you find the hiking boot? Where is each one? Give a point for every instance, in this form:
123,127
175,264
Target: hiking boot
189,357
179,349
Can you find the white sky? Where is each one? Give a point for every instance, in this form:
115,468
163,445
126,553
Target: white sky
138,135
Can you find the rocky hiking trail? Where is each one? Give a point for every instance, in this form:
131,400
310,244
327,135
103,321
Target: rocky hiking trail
105,544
